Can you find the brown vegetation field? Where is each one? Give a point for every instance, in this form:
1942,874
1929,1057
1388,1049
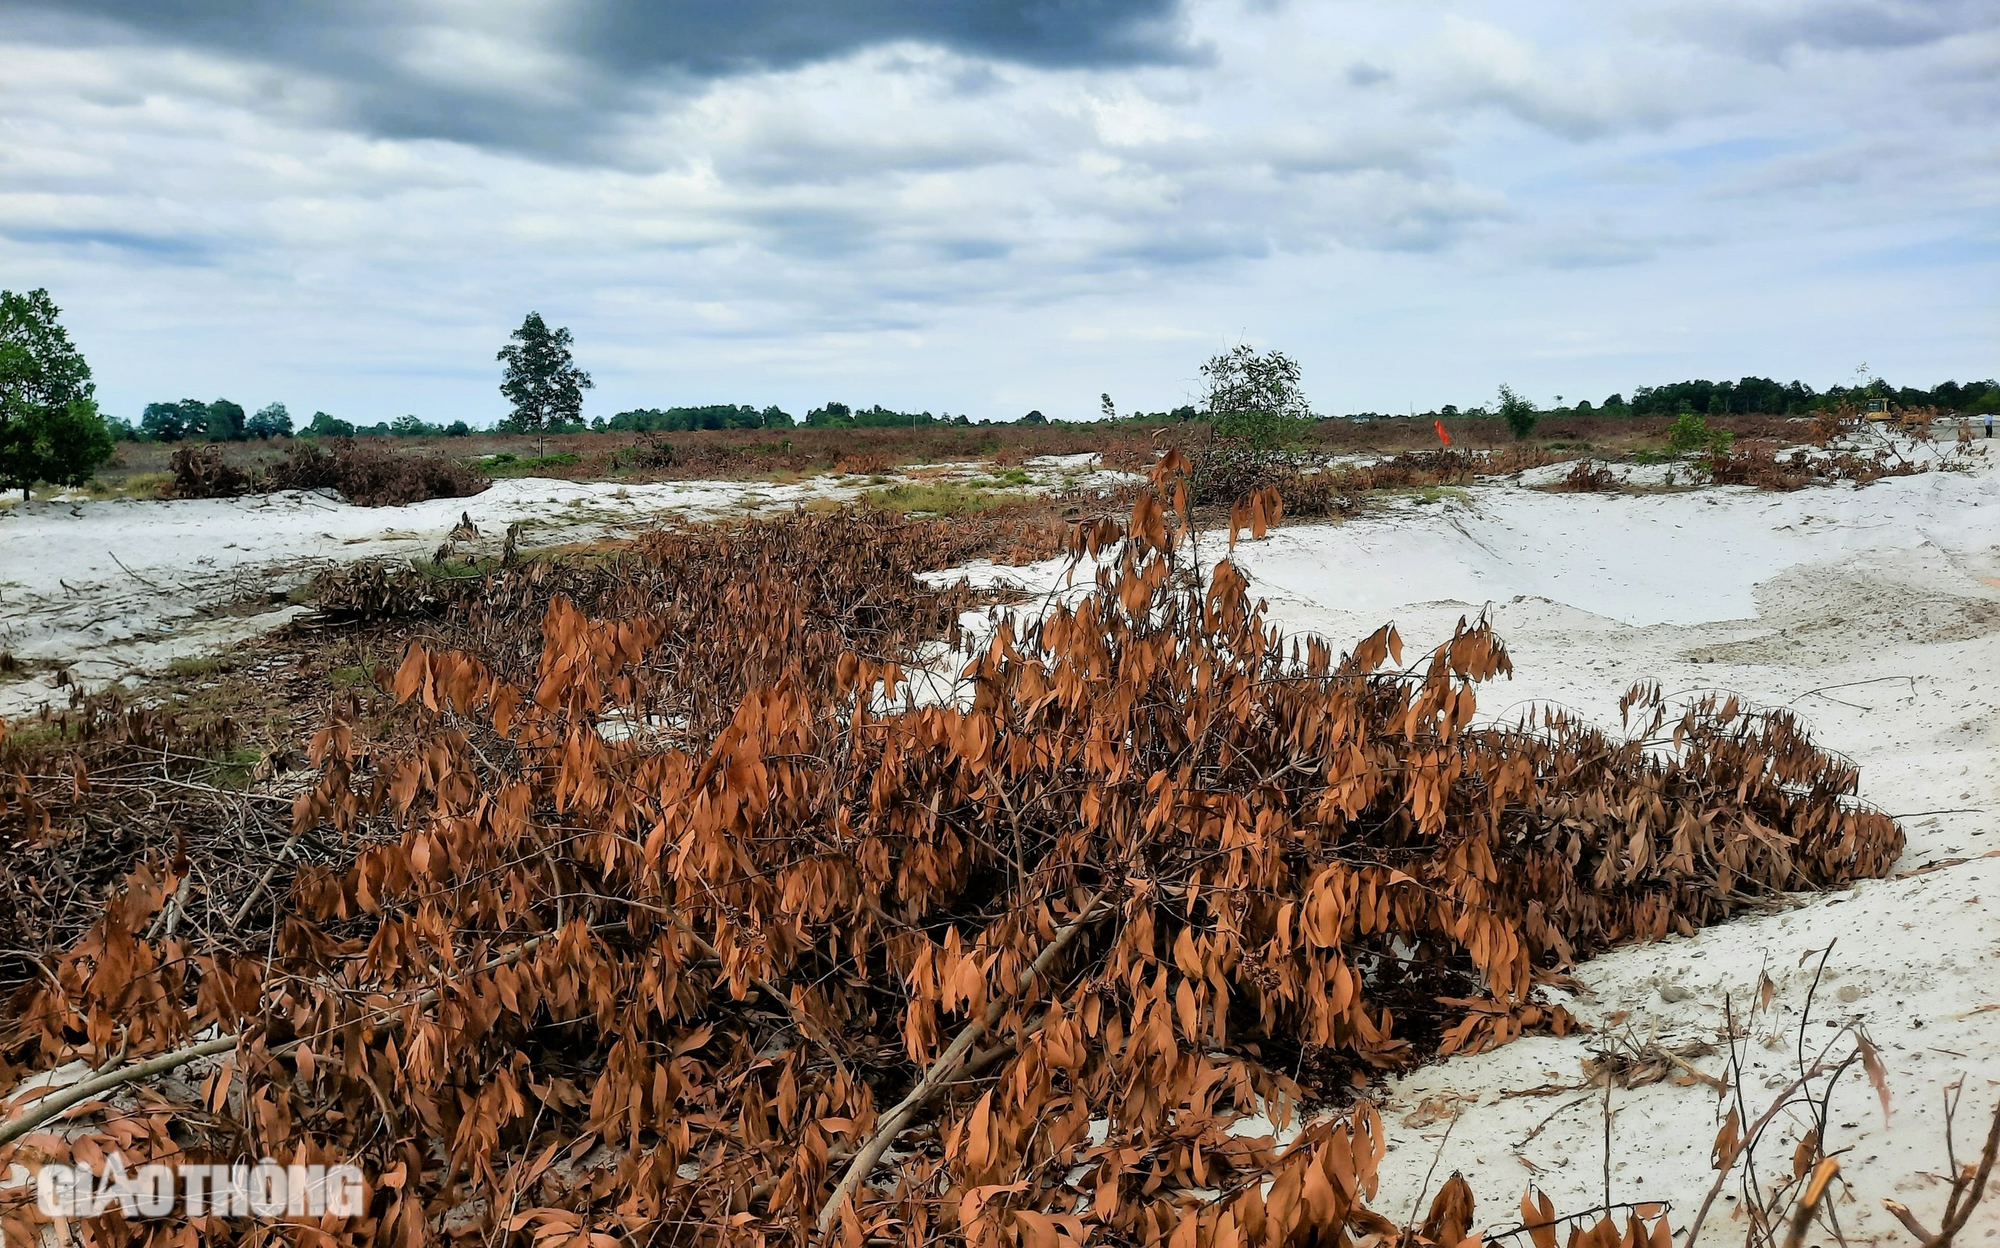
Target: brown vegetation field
779,454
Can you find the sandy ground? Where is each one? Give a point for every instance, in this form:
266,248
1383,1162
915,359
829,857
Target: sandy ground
118,588
1873,612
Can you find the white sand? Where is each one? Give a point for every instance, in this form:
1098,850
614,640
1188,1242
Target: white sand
119,588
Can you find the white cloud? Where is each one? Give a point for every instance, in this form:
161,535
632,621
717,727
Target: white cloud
217,222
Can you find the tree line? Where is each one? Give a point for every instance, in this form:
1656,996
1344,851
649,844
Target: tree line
224,421
1753,396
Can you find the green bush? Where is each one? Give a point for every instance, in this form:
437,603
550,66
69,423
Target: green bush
1263,431
1518,412
1690,434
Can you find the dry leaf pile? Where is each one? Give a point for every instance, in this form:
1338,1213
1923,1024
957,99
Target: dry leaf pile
674,920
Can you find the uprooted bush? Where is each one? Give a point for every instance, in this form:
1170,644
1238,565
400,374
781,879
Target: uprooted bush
1765,468
679,913
1310,487
202,472
369,474
1587,477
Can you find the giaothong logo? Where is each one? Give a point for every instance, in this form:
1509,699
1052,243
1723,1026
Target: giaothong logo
242,1190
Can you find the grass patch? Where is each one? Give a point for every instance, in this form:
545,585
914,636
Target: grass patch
1005,478
1426,495
233,769
937,498
455,569
508,464
198,666
351,677
130,485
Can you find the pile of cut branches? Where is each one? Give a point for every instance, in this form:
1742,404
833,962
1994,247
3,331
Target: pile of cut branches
1761,467
1311,487
367,474
680,918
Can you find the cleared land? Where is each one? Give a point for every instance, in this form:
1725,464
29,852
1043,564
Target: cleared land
1871,614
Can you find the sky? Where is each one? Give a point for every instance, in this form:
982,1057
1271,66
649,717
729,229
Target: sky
985,207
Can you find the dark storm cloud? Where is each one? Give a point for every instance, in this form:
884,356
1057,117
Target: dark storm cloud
708,38
581,64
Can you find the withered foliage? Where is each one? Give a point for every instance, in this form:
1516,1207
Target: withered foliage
89,793
201,472
1587,477
1761,467
1223,472
367,474
687,914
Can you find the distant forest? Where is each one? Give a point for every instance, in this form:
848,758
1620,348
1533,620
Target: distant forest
224,421
1758,396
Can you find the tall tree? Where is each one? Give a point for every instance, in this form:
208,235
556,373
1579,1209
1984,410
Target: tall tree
541,381
273,420
225,421
50,429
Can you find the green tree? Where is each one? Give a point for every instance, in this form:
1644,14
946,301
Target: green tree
170,422
69,442
325,426
273,420
50,429
226,421
413,427
1519,414
541,380
1035,418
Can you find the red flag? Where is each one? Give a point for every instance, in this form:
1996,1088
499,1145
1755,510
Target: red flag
1442,435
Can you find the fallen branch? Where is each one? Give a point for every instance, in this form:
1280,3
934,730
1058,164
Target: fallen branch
943,1071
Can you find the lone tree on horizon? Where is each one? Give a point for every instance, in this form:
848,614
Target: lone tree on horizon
50,429
542,380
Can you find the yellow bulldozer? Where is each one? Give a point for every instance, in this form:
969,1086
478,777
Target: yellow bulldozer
1902,420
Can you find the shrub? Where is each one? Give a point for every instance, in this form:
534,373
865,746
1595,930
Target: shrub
1263,431
1519,414
1690,434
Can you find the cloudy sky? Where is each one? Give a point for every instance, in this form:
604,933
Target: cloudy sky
983,206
